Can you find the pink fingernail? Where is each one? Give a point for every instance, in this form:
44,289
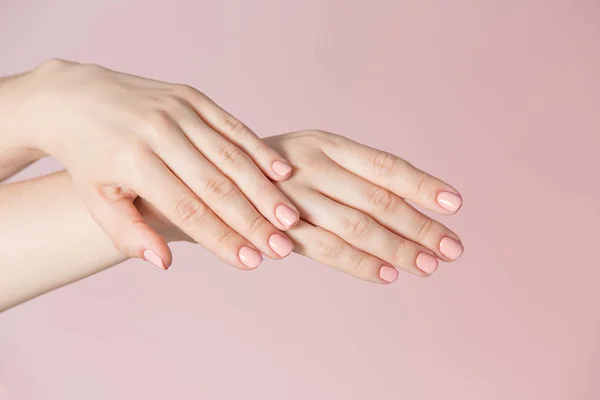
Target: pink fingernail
286,215
154,259
388,274
427,263
281,244
451,248
281,168
449,201
250,257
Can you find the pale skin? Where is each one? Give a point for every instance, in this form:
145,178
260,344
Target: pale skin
353,202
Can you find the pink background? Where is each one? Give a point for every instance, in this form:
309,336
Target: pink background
499,98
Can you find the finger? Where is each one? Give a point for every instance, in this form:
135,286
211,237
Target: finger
219,193
186,211
362,232
114,211
240,168
329,249
395,174
268,160
389,211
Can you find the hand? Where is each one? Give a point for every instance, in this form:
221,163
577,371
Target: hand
353,204
122,136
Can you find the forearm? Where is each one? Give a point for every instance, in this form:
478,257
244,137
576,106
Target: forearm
47,238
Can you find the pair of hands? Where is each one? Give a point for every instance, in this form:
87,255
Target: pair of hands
130,142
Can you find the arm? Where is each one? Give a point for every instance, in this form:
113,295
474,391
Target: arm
48,239
122,136
13,157
355,219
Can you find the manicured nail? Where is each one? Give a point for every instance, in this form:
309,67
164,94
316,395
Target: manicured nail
281,244
154,259
451,248
449,201
388,274
281,168
427,263
250,257
286,215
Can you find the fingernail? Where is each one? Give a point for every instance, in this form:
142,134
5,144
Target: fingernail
154,259
250,257
427,263
286,215
449,201
281,168
388,274
281,244
451,248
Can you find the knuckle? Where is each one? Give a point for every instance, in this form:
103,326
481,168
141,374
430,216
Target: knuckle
266,191
174,104
160,124
317,134
400,252
424,228
219,188
360,264
423,183
231,154
190,211
261,150
234,126
330,249
382,200
132,159
324,137
257,223
384,163
222,239
54,63
184,90
357,224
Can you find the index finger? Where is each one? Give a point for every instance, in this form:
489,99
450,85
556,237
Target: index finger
267,159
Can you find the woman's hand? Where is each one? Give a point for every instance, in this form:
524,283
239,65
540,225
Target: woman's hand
354,211
122,136
352,199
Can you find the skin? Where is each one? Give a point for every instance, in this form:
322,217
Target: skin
122,136
355,218
150,163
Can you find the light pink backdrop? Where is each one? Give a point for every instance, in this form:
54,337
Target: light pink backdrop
500,98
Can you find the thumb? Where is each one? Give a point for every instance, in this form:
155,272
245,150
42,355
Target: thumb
113,209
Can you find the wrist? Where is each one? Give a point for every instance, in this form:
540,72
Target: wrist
15,144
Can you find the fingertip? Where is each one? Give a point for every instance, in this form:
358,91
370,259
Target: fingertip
388,274
250,257
154,259
450,201
282,170
287,216
153,247
281,245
